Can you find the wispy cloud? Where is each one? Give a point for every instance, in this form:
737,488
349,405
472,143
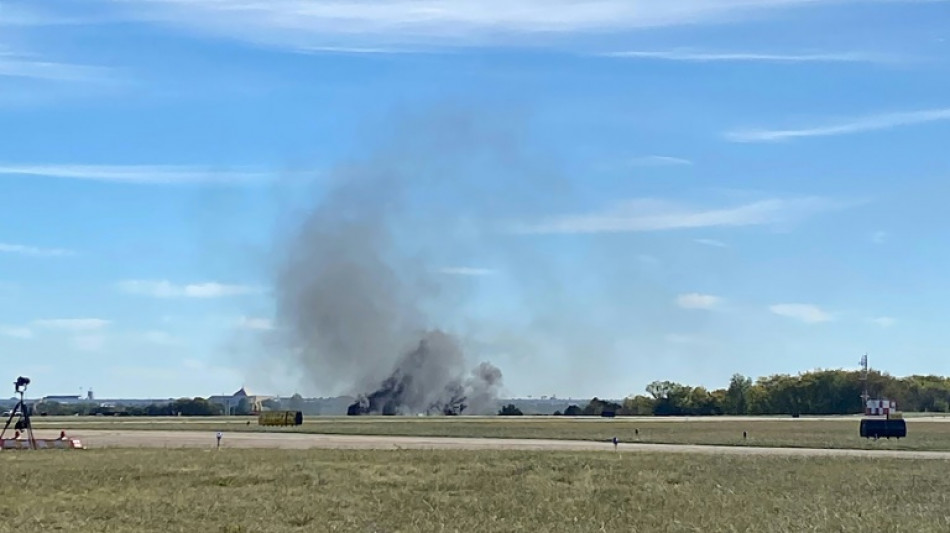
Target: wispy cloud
27,14
679,338
879,237
137,174
695,56
256,323
21,66
301,24
810,314
877,122
23,249
696,300
883,321
159,337
644,215
659,161
167,289
711,242
16,332
89,343
467,271
73,324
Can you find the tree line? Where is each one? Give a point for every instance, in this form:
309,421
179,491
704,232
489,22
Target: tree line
179,407
819,392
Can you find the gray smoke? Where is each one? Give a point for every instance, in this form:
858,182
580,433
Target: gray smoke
425,380
354,295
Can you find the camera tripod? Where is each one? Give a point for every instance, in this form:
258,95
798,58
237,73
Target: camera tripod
23,424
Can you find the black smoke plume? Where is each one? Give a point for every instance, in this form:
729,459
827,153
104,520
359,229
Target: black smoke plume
424,382
358,279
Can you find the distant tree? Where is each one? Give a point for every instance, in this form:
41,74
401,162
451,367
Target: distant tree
736,401
192,407
669,398
818,392
296,403
510,410
572,410
637,405
597,407
243,408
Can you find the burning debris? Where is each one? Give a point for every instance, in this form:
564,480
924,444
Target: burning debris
423,383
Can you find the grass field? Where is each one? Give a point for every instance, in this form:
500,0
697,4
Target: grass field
843,433
420,491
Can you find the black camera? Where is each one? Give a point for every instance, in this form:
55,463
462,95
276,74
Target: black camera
21,383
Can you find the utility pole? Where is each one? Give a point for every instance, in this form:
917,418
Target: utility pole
864,377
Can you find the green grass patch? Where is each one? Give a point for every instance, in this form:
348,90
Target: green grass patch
497,491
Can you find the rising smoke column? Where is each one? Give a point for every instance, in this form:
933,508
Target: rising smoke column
352,302
426,380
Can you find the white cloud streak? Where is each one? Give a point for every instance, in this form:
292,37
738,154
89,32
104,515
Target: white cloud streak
136,174
27,14
884,321
810,314
73,324
302,24
167,289
710,57
883,121
17,66
256,324
16,332
659,161
645,215
22,249
695,300
711,242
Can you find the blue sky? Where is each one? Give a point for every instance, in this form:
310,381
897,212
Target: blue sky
715,186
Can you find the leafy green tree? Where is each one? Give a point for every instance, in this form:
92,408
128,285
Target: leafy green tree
637,405
736,401
243,408
510,410
597,407
572,410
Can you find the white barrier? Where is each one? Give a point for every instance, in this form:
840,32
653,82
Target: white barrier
42,444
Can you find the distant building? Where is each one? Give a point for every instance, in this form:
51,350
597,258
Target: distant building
62,399
230,403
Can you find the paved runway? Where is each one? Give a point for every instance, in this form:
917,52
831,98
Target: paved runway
93,439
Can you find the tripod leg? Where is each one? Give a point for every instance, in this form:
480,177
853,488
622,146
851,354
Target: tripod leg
29,429
6,426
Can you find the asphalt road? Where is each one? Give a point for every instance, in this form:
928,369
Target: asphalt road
97,439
